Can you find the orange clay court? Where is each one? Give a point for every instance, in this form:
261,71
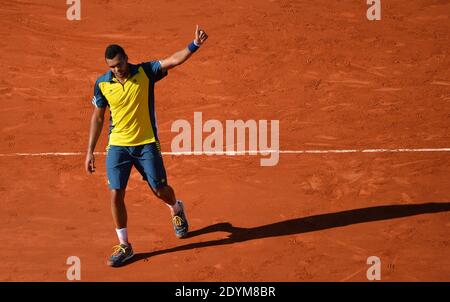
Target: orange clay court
333,79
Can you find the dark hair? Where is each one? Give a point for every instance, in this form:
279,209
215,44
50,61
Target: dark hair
113,50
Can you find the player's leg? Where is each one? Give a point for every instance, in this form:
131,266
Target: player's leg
118,166
118,209
150,164
166,194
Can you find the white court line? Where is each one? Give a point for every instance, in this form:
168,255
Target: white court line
234,153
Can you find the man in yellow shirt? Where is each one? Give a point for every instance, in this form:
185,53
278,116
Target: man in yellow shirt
128,90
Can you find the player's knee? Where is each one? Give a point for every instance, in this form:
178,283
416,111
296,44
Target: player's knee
117,195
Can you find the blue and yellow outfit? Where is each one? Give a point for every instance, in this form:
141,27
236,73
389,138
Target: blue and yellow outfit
133,135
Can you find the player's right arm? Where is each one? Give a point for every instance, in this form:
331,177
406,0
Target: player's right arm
97,119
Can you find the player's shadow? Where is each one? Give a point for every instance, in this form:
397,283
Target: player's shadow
300,225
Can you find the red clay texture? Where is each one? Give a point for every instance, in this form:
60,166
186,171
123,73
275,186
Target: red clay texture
333,79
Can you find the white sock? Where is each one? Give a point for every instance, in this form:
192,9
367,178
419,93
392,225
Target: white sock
123,236
175,208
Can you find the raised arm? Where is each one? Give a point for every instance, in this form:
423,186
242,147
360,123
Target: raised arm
181,56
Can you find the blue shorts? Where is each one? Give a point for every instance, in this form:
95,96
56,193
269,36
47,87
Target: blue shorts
146,158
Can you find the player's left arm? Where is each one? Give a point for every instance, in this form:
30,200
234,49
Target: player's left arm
181,56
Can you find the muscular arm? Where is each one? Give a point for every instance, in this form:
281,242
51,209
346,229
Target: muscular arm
97,119
176,59
181,56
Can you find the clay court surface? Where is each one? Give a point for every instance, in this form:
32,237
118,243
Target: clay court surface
333,79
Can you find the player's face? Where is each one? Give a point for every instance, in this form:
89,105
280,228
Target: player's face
118,66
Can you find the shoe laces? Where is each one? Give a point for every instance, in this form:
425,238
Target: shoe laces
117,249
177,220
